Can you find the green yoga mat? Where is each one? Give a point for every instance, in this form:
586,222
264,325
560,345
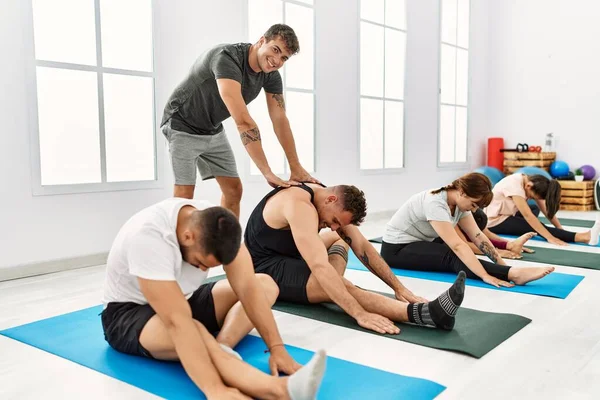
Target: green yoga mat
563,257
476,333
581,223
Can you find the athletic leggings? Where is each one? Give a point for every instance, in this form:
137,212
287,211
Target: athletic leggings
434,256
518,226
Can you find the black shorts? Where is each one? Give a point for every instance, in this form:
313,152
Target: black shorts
123,322
290,274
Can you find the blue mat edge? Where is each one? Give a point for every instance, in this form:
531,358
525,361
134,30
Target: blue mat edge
431,388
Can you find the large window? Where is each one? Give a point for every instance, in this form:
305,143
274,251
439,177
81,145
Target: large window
382,63
454,81
298,81
94,93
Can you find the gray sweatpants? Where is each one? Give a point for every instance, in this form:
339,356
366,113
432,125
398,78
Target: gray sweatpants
211,154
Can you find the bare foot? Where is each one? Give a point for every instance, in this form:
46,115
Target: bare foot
521,276
516,246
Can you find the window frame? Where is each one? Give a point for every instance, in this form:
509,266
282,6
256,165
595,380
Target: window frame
383,170
31,64
453,164
258,177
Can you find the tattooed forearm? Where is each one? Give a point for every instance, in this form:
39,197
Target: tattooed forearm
252,135
280,101
489,250
344,237
365,260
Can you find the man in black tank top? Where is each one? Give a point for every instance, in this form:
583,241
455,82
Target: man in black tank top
282,236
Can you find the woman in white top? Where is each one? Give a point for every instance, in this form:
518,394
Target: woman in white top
422,236
509,213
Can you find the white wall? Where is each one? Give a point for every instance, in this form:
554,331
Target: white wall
545,75
53,227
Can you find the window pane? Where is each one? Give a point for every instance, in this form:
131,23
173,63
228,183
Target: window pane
371,59
394,134
129,128
462,76
395,51
448,74
446,134
68,126
300,68
463,23
261,15
64,31
371,134
461,134
449,21
372,10
126,28
300,110
395,13
275,156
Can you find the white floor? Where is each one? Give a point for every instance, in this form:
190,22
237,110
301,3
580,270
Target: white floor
556,356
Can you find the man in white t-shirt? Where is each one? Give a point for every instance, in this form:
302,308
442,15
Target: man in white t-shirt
157,306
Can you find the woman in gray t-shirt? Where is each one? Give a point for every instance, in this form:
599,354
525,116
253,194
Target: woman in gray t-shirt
421,235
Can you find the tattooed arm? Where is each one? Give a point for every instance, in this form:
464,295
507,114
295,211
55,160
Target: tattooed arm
371,259
231,93
283,131
446,231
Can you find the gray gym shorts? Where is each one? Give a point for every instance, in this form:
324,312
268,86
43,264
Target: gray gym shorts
211,154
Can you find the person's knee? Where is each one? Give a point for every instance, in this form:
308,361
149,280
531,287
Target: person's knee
233,191
270,287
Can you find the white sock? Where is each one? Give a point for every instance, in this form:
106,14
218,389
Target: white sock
231,351
595,232
304,384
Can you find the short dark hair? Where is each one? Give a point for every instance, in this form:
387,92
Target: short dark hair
353,200
220,233
286,34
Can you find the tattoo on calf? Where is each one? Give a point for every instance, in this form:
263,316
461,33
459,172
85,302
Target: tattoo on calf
280,101
339,250
487,249
252,135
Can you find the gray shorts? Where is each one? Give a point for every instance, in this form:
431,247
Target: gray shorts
211,154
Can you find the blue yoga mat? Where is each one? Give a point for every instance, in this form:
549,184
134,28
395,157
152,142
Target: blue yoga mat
78,337
554,285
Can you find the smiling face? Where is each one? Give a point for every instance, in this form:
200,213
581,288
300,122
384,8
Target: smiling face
272,54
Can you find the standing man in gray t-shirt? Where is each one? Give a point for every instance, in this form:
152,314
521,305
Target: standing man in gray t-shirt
220,84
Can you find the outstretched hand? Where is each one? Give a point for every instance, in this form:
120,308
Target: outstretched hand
377,323
409,297
281,361
490,280
275,181
299,174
